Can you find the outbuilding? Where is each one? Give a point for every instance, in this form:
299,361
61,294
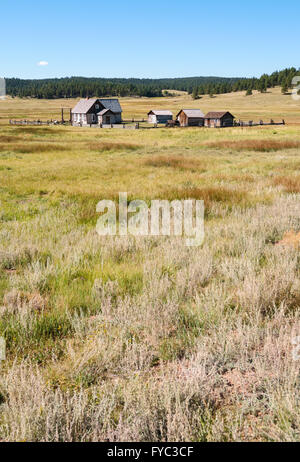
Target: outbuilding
219,119
190,118
159,117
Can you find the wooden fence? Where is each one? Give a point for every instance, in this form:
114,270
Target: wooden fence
127,125
120,126
251,123
37,122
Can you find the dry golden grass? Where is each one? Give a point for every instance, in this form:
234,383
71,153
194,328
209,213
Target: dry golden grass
31,148
181,163
291,184
255,145
291,239
105,146
145,339
211,195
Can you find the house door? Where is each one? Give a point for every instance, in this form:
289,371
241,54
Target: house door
108,119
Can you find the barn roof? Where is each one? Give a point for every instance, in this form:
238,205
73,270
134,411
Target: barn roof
195,113
84,105
167,113
217,115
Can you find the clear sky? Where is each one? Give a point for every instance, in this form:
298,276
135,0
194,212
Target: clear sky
136,38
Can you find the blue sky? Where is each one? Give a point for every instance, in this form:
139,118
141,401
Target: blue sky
120,38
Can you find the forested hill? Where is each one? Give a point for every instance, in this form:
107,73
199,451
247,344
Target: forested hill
72,87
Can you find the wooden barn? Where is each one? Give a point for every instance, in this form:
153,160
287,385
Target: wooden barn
218,119
190,118
97,111
159,117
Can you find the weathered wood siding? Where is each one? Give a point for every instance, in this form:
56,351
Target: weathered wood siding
186,121
195,122
159,119
183,120
227,121
109,119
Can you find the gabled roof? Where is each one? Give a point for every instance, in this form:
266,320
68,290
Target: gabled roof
193,113
163,113
217,115
105,111
84,105
111,103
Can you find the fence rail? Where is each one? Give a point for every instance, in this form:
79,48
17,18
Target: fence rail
120,126
136,125
37,122
251,123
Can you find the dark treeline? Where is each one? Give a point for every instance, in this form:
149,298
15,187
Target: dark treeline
73,87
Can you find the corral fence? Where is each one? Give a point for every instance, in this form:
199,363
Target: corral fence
130,125
37,122
120,126
251,123
133,120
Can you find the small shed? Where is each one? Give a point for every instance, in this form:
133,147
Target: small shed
190,118
159,117
219,119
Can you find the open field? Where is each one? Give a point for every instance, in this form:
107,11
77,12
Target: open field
145,339
258,106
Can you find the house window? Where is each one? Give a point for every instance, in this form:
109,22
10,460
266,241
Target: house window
97,106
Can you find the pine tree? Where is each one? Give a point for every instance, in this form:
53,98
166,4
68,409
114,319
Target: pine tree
195,93
284,87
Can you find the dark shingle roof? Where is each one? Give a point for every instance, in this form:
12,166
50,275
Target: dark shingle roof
112,104
217,115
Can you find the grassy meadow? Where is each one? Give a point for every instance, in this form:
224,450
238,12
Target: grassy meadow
145,339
